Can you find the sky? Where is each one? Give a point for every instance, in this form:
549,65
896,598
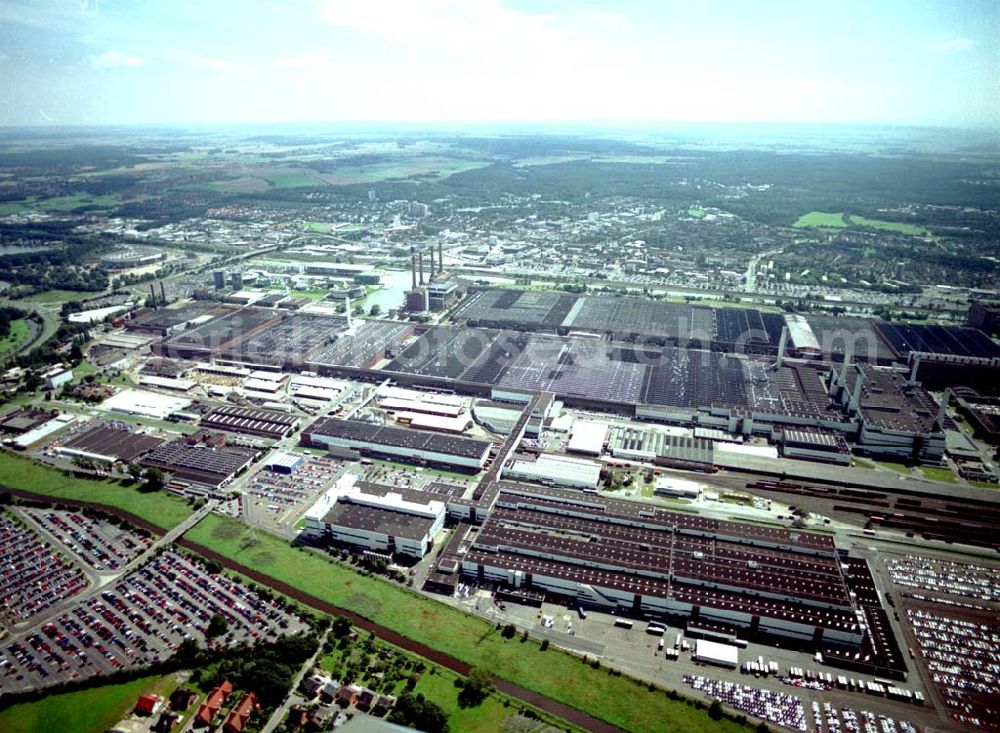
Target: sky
908,62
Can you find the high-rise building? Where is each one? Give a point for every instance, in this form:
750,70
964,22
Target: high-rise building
418,209
236,280
220,279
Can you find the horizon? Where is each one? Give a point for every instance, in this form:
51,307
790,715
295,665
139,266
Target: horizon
929,64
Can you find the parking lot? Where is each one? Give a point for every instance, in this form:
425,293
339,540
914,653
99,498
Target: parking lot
944,576
33,575
278,494
96,543
962,654
608,637
141,619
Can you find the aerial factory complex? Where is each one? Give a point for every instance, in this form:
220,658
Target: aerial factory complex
632,435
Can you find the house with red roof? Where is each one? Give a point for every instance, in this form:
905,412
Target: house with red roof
213,704
148,704
239,716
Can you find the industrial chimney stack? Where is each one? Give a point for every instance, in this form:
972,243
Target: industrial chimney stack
420,264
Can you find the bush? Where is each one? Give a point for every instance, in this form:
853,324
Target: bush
544,646
509,631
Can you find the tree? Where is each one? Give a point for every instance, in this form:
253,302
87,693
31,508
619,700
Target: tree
419,712
216,626
340,627
715,710
375,310
478,686
155,480
509,631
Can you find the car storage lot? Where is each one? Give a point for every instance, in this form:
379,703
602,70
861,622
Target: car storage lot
599,635
34,576
95,542
141,619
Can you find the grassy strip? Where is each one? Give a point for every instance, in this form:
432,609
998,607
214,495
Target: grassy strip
18,332
939,473
84,711
161,508
556,675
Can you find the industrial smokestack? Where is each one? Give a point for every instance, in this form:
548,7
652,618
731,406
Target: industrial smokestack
440,257
782,343
152,294
432,265
163,293
413,267
943,410
420,264
856,398
912,381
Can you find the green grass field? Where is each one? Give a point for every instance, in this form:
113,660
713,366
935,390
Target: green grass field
696,213
552,673
87,711
487,717
821,219
50,297
12,207
161,508
939,473
840,220
899,467
18,332
892,226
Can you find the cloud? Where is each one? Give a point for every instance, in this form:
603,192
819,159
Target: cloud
222,65
953,44
116,59
3,57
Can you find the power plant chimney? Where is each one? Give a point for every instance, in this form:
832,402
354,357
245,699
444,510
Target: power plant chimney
420,264
413,267
914,368
163,293
943,410
152,294
440,257
856,397
432,263
782,343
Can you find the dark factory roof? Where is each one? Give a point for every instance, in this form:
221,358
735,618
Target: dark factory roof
406,438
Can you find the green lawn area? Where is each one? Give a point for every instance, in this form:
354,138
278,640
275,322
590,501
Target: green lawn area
554,674
68,203
696,213
320,227
161,508
18,332
900,467
87,711
487,717
939,473
893,226
55,296
821,219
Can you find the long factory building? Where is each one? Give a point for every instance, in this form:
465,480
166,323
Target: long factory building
599,552
398,443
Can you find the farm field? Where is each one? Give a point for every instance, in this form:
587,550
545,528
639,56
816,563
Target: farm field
892,226
821,219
